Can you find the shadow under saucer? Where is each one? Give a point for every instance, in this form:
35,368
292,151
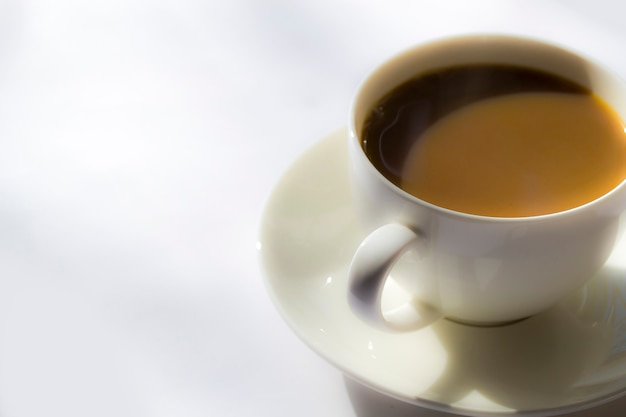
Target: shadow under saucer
367,402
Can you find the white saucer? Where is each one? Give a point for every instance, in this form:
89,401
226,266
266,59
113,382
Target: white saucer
565,359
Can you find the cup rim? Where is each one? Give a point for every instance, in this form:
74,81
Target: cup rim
355,141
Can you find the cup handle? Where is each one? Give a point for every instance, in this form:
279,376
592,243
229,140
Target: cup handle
370,266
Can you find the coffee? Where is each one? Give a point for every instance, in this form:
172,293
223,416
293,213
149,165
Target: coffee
497,140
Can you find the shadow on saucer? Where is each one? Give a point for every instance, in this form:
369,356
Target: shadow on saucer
573,353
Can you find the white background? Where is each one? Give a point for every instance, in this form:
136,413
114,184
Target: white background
139,143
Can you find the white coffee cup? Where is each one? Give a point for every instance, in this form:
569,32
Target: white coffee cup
470,268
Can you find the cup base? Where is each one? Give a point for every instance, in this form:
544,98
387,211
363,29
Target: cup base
485,324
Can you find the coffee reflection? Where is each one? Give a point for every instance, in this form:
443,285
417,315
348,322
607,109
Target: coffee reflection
497,140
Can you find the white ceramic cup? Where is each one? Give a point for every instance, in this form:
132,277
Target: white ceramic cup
470,268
